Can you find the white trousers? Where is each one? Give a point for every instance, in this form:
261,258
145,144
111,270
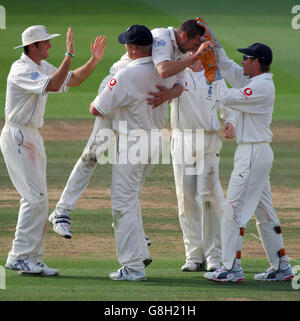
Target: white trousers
84,167
249,193
199,197
127,182
25,158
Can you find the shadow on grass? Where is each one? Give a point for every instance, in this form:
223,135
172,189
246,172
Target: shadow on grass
82,278
202,283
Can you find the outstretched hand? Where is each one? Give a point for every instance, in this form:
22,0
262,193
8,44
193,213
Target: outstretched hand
70,41
98,46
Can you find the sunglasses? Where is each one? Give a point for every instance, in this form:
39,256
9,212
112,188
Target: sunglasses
245,57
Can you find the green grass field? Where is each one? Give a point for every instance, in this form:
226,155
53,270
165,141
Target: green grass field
85,261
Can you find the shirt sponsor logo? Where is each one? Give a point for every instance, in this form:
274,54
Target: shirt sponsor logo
186,86
248,91
209,92
34,75
160,43
112,83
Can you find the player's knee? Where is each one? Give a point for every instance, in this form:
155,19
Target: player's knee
116,215
227,211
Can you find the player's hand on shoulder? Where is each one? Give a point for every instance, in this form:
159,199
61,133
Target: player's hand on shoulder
156,98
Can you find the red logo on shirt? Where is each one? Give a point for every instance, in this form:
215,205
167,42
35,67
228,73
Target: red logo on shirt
113,82
186,84
248,91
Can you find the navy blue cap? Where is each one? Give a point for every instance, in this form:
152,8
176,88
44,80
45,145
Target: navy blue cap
260,51
138,35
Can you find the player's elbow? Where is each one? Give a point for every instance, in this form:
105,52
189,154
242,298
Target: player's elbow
74,81
163,74
163,70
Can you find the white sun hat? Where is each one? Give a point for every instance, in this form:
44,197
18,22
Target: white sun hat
34,34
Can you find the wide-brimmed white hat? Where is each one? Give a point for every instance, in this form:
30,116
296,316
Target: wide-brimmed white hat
34,34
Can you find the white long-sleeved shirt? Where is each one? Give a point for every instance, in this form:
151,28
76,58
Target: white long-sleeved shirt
164,48
117,66
125,97
197,107
253,98
26,94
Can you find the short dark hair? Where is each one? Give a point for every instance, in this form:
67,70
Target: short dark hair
191,28
26,48
264,67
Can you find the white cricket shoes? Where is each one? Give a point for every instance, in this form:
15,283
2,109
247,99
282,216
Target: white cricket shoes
26,266
127,274
223,275
61,224
47,271
31,266
193,267
286,274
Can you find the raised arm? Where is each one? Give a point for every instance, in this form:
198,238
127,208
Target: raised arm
170,68
59,76
97,51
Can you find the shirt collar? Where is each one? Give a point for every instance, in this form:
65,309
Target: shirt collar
265,75
172,36
29,60
140,61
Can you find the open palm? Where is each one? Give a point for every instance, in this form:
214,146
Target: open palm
98,46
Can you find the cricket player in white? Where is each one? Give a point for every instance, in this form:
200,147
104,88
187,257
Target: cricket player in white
125,97
28,83
84,167
169,54
198,188
249,191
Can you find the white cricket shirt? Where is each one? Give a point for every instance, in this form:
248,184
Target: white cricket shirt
165,48
125,97
197,107
253,98
26,94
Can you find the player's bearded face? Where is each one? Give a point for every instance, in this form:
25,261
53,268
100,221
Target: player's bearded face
189,44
